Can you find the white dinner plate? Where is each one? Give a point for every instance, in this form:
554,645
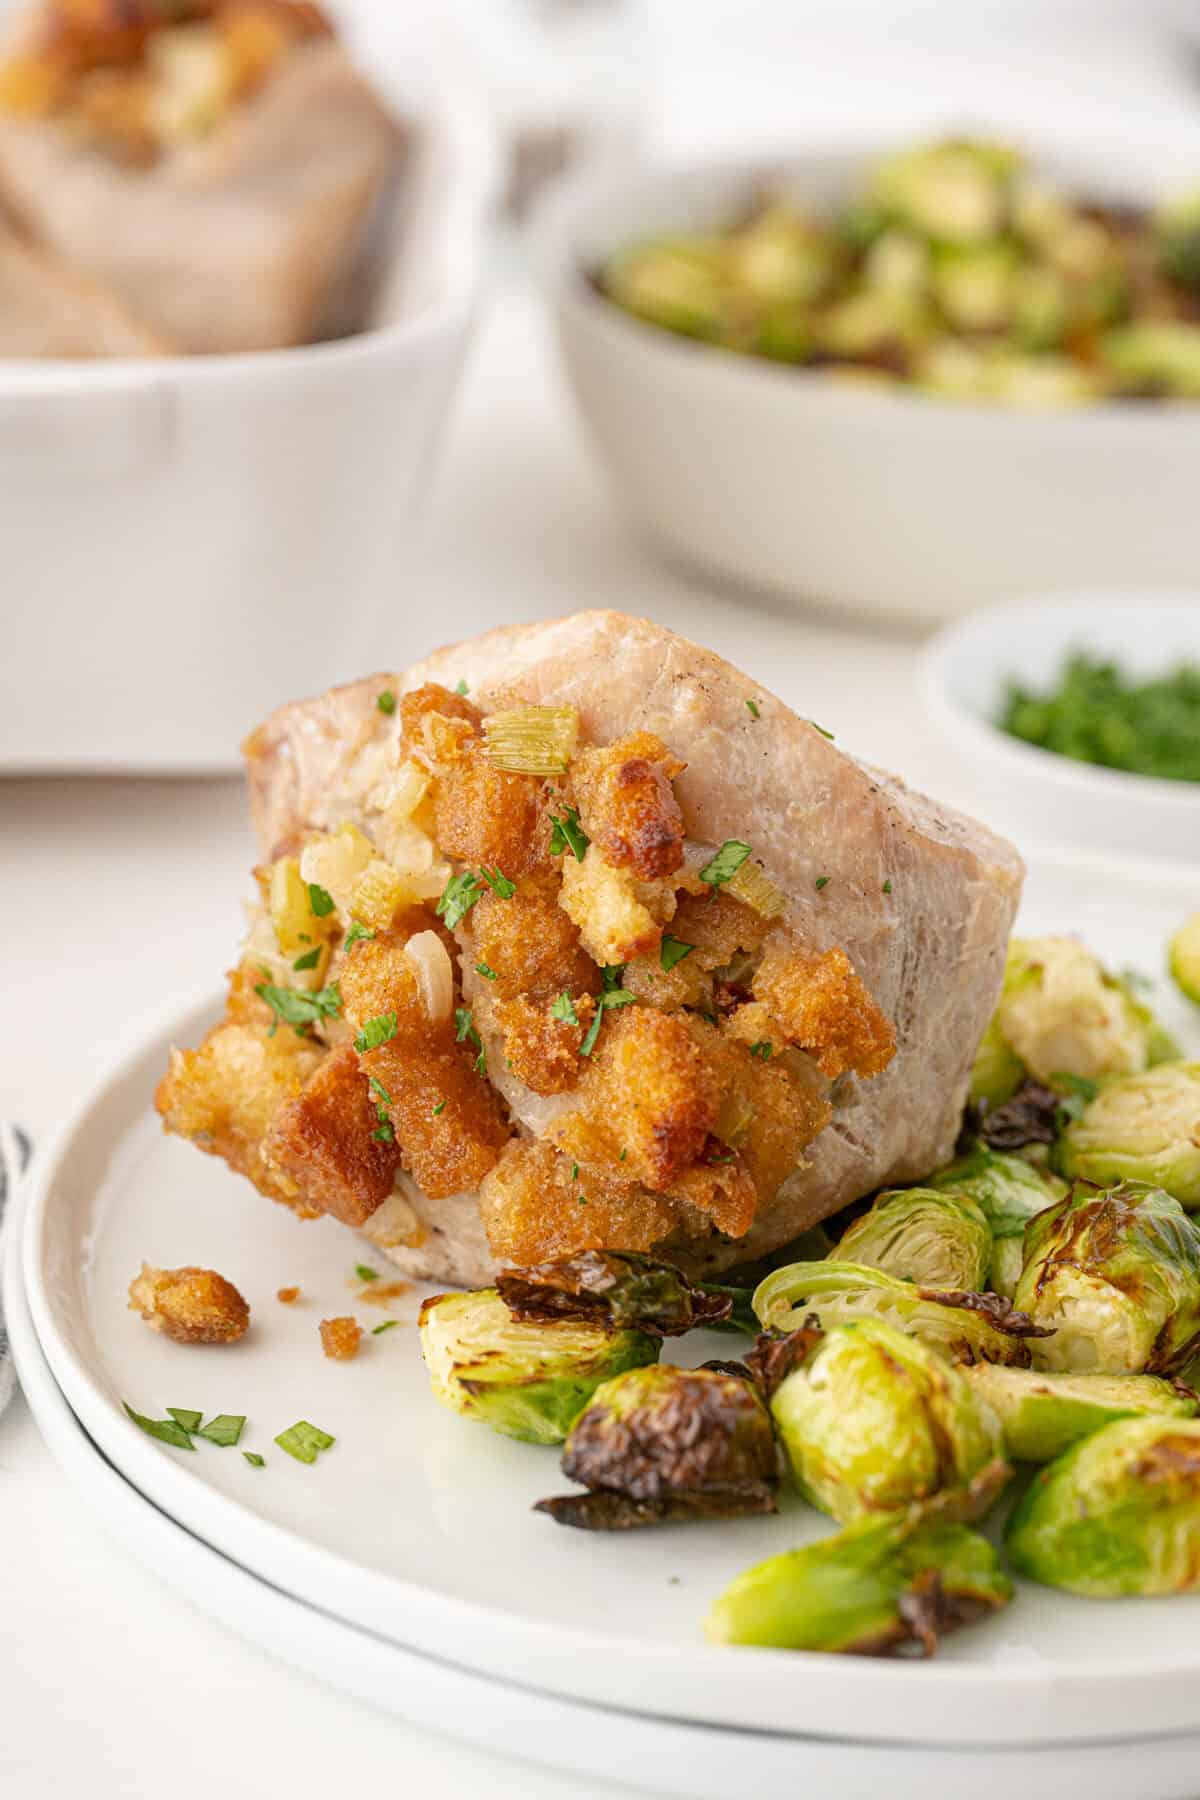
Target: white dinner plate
692,1761
417,1524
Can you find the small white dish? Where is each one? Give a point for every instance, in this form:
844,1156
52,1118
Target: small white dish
1039,797
417,1524
842,492
187,538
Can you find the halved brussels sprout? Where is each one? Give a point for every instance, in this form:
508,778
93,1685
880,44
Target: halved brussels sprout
1041,307
869,1590
874,322
998,1071
965,1327
1116,1276
616,1288
955,193
898,262
1157,356
1184,958
1118,1514
875,1421
526,1381
1177,234
1061,1013
995,374
976,287
678,283
781,258
669,1443
1009,1191
922,1234
1140,1128
1042,1415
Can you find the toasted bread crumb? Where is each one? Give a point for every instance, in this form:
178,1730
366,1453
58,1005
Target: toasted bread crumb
189,1305
340,1339
288,1295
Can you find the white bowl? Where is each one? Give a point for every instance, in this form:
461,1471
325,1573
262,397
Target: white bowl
188,540
1035,795
873,499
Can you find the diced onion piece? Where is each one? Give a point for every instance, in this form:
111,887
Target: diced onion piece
335,863
434,972
192,81
734,1119
407,791
393,1223
532,740
378,894
409,851
753,887
297,928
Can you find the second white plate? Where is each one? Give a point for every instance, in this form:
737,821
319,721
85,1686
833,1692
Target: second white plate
417,1525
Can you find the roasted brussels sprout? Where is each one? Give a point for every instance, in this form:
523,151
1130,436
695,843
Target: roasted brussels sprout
1009,1191
1184,958
1140,1128
1118,1514
677,283
1157,356
1116,1276
1042,1415
616,1288
874,323
668,1443
941,1239
1177,237
955,193
870,1590
957,369
965,1327
976,287
527,1381
1061,1013
780,259
875,1421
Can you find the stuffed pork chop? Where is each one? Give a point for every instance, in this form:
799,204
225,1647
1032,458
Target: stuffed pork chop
573,937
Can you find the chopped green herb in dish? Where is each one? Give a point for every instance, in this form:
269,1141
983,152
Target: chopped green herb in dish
304,1441
672,951
1096,712
386,702
300,1009
224,1430
376,1031
726,863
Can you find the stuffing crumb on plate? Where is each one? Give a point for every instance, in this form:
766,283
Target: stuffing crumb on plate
189,1305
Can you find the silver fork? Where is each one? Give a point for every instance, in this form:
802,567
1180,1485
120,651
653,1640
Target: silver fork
15,1149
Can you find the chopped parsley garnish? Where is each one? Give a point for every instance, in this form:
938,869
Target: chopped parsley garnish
304,1441
309,960
458,897
763,1049
622,1156
224,1430
726,863
301,1009
752,708
167,1431
188,1419
465,1032
384,1132
574,1171
499,883
612,996
386,702
320,899
673,951
564,1008
887,887
439,1108
568,834
378,1088
388,1325
486,970
821,729
365,1272
820,882
254,1459
357,930
1096,711
376,1031
460,687
1081,1091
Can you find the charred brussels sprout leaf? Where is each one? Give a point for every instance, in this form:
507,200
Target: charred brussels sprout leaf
923,1234
1042,1415
871,1590
1118,1514
875,1421
1009,1192
526,1381
1141,1128
1116,1277
965,1327
668,1443
616,1288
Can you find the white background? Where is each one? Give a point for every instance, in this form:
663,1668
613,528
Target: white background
120,899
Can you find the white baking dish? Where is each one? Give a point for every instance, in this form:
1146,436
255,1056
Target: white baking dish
187,541
872,499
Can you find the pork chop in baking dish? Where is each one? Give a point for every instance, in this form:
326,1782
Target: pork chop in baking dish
573,937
